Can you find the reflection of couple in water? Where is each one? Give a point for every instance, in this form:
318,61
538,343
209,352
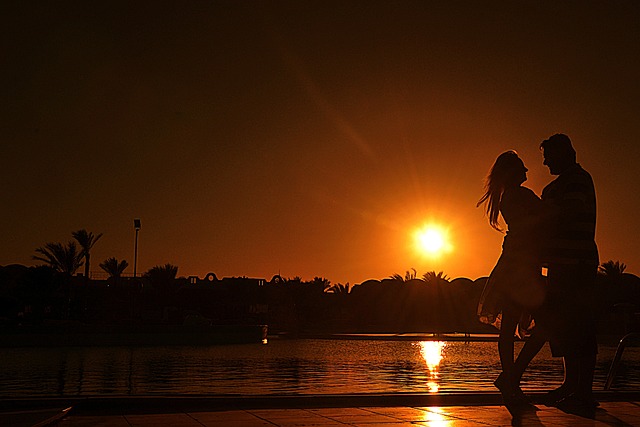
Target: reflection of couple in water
556,231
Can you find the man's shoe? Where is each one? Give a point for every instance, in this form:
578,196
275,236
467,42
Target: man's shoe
576,406
554,397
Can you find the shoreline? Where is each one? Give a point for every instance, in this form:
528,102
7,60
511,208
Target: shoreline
390,336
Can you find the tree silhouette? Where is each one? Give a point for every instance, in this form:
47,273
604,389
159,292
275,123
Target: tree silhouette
325,283
62,258
612,268
86,240
431,277
408,275
162,277
65,259
113,268
616,287
297,280
338,288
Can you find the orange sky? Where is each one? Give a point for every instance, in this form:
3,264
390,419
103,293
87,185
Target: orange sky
306,138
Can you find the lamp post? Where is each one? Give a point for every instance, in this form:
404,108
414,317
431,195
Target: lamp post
136,225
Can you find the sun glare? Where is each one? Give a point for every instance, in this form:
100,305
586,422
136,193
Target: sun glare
432,240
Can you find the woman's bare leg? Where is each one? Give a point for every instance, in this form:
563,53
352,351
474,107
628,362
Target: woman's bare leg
506,340
531,348
504,382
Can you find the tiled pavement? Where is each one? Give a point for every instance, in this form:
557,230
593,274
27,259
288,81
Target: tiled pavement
621,413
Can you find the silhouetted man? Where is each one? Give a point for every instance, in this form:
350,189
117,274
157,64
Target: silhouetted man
572,258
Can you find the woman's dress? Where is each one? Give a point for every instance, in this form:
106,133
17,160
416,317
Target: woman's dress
516,282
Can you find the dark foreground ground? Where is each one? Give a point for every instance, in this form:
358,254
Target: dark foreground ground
449,409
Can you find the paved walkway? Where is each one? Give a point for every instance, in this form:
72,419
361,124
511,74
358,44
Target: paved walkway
609,414
381,410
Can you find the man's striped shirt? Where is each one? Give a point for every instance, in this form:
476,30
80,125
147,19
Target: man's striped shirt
571,198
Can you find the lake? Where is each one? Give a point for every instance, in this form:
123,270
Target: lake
283,366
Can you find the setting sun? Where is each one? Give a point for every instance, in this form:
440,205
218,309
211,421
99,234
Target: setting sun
432,240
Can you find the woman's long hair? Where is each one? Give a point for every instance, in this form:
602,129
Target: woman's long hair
499,176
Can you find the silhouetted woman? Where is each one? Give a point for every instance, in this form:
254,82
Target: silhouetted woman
515,286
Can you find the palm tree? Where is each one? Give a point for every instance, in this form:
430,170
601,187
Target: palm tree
434,278
86,240
612,268
408,275
113,268
62,258
321,281
441,305
65,259
338,288
162,277
610,274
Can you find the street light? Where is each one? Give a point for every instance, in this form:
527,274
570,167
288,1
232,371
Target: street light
136,225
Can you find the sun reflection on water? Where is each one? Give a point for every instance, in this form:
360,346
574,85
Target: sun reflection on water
431,352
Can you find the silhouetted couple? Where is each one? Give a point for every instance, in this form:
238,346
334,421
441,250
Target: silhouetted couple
556,231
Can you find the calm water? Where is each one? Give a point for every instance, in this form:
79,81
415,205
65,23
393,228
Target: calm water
281,367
